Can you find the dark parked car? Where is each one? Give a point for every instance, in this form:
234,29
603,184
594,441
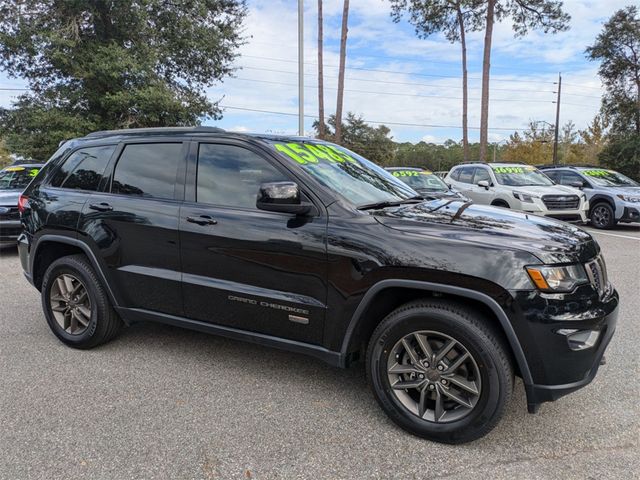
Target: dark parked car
425,182
13,180
303,245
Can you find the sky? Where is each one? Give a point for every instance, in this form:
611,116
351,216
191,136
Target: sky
412,85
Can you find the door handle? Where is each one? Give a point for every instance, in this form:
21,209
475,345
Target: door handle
101,207
202,220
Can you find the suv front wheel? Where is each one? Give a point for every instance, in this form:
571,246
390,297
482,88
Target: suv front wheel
602,216
439,371
76,305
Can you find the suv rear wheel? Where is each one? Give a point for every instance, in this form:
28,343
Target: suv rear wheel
76,305
602,216
439,371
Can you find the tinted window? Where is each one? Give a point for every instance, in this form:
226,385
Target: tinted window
553,175
481,174
466,174
147,170
231,176
83,169
571,178
455,174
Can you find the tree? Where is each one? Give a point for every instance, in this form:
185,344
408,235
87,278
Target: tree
452,17
321,125
5,156
617,48
525,15
373,143
343,58
593,138
532,147
112,64
623,154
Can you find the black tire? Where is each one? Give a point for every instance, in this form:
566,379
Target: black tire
474,334
602,216
104,323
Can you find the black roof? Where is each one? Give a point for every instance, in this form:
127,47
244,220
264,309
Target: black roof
154,131
548,167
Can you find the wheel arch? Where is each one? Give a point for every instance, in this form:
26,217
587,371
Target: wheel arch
388,294
49,248
601,198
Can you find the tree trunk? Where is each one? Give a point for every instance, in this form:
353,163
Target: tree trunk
486,66
463,43
321,129
343,55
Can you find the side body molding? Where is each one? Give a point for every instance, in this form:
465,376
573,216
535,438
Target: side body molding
450,289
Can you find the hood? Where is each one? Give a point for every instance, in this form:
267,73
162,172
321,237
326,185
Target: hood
431,195
539,191
627,190
9,198
552,241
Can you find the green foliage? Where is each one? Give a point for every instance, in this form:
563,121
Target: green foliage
622,153
373,143
112,64
5,156
617,48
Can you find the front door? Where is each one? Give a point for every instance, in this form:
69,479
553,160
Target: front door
246,268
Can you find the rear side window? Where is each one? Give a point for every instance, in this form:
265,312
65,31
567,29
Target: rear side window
466,174
83,169
147,170
230,176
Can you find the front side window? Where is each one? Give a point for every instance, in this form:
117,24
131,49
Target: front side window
231,176
83,169
357,179
482,174
17,178
147,170
520,176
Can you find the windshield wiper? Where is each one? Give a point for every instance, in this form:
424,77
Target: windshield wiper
387,203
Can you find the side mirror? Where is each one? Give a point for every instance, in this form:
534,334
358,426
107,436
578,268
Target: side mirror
484,183
579,185
283,197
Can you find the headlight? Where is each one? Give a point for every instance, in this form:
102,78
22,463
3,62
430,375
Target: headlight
629,198
523,197
557,279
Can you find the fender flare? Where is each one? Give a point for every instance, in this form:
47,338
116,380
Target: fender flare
509,332
86,250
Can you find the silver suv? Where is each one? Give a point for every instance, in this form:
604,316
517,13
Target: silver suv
613,197
520,187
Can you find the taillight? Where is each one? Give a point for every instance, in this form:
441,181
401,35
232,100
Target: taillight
23,202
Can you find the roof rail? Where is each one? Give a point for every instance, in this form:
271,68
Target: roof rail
581,165
154,131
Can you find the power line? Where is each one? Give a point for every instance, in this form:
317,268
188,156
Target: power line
273,112
389,82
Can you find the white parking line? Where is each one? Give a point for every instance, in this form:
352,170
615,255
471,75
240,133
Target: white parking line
612,234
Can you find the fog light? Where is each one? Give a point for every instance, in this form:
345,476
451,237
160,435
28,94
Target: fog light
580,339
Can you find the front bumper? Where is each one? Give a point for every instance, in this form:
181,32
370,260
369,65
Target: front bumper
580,214
555,368
630,215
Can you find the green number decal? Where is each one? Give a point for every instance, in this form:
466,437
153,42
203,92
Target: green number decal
318,152
33,172
284,149
302,152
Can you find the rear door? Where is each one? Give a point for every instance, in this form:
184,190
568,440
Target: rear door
133,224
246,268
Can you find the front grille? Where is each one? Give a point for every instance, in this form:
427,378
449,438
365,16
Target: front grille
9,213
597,273
561,202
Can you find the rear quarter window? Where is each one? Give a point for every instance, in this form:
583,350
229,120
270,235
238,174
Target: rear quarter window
83,169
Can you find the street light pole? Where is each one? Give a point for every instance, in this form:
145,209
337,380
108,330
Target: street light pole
301,67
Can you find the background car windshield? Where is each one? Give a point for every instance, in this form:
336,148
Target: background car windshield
17,178
521,176
609,178
357,179
421,180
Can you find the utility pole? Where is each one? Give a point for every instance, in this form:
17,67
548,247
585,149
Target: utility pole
301,67
557,127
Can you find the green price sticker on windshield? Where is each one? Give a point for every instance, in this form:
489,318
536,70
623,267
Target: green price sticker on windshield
33,172
597,173
512,169
410,173
305,153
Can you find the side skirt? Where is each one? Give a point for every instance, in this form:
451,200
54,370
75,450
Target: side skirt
131,315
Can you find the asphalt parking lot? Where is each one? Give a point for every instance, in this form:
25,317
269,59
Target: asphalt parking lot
160,402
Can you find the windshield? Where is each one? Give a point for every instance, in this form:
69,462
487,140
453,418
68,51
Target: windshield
17,178
609,178
421,180
521,176
357,179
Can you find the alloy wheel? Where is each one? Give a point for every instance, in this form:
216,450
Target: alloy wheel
601,216
434,376
70,304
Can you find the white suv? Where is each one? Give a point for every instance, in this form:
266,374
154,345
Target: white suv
520,187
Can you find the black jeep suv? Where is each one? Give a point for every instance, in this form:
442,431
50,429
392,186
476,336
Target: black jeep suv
303,245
